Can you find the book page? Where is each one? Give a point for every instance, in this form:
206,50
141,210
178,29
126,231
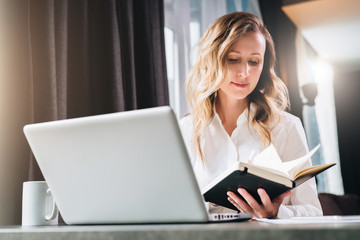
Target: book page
313,169
269,158
296,165
312,220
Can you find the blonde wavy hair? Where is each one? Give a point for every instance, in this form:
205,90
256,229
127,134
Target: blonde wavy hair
210,71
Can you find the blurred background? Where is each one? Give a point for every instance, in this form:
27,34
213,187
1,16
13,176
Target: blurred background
65,59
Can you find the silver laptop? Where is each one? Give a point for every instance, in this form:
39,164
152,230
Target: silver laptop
128,167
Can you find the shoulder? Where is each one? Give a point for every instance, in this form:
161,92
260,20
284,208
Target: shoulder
185,125
289,137
289,125
289,120
185,122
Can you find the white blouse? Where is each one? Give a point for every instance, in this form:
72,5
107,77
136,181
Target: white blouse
221,151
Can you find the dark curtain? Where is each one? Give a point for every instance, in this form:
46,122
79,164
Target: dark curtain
283,32
85,57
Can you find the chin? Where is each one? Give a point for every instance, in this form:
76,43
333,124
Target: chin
240,97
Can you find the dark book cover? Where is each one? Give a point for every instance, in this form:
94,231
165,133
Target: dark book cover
242,179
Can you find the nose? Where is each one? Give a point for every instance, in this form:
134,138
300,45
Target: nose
243,70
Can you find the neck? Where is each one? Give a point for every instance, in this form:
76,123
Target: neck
229,111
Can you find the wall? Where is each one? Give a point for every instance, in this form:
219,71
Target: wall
15,103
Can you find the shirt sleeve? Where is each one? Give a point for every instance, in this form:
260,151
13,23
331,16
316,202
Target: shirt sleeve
303,200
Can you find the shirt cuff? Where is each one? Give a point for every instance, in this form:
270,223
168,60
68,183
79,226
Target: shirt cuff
284,212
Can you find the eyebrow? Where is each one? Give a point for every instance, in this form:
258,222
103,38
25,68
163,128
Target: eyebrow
255,53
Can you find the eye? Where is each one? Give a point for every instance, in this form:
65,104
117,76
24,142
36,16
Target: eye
233,59
254,63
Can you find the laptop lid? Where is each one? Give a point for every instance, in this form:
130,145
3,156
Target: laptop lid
128,167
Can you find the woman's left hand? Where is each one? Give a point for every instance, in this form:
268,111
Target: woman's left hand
268,208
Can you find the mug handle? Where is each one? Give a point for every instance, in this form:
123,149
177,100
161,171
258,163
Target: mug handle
54,210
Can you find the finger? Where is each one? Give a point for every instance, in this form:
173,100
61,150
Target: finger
235,204
280,198
265,199
270,208
285,194
231,195
213,204
240,204
249,199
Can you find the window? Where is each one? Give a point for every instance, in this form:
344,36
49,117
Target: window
185,22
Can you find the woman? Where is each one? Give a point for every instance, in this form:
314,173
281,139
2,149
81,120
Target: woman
237,105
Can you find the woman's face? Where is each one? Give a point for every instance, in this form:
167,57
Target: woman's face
245,63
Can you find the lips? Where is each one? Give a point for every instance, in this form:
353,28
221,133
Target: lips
240,85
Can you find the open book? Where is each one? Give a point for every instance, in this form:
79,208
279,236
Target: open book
265,170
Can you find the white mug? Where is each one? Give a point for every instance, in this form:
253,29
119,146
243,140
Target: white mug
38,206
